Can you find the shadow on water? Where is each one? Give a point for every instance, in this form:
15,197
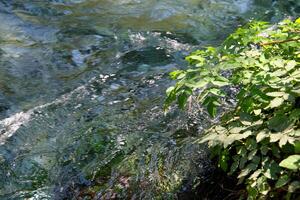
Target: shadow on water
82,84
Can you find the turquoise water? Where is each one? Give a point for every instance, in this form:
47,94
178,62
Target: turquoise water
81,91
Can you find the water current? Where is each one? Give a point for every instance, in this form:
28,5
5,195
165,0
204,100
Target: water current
82,84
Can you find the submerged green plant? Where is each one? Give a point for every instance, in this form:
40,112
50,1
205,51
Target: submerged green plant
258,141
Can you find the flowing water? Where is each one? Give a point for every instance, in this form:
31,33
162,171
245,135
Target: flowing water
81,91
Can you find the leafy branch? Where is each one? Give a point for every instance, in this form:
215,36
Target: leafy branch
258,141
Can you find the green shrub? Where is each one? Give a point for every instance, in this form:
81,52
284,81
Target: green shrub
258,141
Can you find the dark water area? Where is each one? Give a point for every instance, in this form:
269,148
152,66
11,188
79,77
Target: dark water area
82,85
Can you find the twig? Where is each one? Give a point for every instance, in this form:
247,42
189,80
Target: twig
279,42
296,31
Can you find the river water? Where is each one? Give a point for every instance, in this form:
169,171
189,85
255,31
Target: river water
82,84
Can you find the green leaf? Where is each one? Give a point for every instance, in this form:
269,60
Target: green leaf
250,144
247,104
220,83
290,65
257,112
231,138
236,130
272,169
209,137
275,137
295,114
250,167
276,102
175,74
220,129
243,162
256,159
279,73
216,92
279,123
283,140
234,166
263,186
261,135
246,134
246,119
242,151
275,151
276,94
170,90
264,149
199,84
277,63
212,109
182,99
255,174
291,162
252,154
196,57
282,181
170,98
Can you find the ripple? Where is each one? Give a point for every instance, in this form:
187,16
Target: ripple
82,85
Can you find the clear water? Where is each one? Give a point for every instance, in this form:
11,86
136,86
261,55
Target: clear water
81,91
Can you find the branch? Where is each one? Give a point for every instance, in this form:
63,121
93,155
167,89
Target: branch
279,42
296,31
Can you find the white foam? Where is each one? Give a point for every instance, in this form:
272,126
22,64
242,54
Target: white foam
10,125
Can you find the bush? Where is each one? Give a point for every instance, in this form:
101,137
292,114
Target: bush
258,141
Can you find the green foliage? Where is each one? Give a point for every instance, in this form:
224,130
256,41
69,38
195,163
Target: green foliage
259,140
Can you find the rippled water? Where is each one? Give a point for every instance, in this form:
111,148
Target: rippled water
81,89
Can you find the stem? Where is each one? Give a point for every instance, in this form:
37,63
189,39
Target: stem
279,42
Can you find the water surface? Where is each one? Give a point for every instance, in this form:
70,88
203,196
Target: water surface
81,91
